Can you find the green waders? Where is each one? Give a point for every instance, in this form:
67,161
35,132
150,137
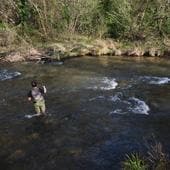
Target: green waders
40,107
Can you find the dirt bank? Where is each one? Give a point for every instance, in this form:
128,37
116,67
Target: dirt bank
61,51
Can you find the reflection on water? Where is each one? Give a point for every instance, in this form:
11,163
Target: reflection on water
104,61
101,109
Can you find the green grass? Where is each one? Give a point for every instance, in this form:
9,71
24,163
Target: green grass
134,162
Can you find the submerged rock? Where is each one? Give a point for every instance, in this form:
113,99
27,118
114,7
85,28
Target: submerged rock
75,151
34,136
17,155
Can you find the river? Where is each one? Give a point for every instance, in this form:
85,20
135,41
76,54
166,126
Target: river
99,110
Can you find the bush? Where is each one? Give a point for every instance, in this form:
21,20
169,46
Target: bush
48,19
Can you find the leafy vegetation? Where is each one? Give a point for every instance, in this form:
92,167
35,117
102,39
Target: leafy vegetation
44,20
156,159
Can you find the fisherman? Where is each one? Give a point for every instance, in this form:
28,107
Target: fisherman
36,95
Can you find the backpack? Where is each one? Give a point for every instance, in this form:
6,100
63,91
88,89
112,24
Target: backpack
37,94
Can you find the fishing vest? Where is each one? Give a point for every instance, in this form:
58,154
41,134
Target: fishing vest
36,94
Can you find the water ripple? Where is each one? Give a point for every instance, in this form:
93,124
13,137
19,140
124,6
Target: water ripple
6,74
155,80
103,83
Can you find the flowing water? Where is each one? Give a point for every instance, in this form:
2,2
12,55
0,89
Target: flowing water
100,109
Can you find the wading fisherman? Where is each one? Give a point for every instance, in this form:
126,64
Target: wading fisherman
36,95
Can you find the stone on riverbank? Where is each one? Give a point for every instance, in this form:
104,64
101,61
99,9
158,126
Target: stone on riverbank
33,55
14,57
135,52
61,51
154,52
103,47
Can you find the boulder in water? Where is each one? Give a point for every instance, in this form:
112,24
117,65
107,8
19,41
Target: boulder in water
17,155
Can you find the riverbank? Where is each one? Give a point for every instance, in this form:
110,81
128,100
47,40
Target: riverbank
66,49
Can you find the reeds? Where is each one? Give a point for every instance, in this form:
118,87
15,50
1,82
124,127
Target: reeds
155,159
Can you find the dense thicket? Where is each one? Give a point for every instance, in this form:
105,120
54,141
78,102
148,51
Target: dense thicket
47,19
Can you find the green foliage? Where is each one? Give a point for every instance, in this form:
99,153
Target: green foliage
135,19
2,26
24,11
126,19
166,26
133,162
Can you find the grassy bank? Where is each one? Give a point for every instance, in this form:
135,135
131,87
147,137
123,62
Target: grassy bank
77,46
134,27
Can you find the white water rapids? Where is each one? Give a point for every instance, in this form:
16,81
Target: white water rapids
121,105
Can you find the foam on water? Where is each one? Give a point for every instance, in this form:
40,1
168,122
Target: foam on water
6,74
155,80
96,98
129,105
138,106
116,97
117,111
103,84
109,84
124,105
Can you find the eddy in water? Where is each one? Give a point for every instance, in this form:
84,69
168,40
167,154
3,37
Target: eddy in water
36,95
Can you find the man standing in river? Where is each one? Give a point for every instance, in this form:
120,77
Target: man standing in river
36,95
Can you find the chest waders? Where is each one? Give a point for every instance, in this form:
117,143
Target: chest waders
39,102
